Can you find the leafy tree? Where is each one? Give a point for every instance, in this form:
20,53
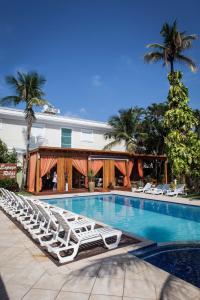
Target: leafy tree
126,127
153,125
5,155
182,143
28,89
197,127
174,44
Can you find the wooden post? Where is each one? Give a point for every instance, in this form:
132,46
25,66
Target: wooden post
165,171
60,174
127,175
112,172
105,174
37,181
69,172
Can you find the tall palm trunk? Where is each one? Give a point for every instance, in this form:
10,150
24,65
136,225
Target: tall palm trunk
26,161
29,122
172,65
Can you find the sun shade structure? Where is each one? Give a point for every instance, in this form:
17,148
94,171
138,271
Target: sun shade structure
72,166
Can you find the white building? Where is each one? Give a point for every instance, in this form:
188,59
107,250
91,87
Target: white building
52,130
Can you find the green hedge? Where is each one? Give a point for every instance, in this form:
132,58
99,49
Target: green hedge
9,184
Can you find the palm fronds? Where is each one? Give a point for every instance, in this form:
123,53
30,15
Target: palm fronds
174,43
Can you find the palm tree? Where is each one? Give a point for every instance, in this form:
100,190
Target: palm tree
126,127
174,44
27,89
153,124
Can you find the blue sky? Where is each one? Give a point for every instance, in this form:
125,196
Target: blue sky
91,51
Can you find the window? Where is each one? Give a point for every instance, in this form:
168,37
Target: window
87,135
66,138
37,135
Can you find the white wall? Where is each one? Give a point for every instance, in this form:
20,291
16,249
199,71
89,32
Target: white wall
12,132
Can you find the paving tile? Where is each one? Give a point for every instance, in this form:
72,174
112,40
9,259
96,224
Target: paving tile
108,286
139,288
13,292
136,298
37,294
177,289
155,275
55,270
79,283
20,261
136,265
7,273
28,276
104,297
50,282
72,296
90,270
114,271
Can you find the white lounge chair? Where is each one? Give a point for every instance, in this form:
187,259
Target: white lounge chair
7,200
159,189
48,225
77,234
179,190
147,187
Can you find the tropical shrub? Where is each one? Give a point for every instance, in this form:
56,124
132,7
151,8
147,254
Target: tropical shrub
9,184
182,143
5,155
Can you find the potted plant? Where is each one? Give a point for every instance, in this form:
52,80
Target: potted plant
91,183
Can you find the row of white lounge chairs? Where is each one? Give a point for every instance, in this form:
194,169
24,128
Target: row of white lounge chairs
161,189
59,231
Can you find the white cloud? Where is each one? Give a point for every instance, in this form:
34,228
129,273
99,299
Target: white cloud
83,110
96,80
71,114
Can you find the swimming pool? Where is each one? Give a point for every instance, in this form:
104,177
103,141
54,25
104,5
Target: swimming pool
155,220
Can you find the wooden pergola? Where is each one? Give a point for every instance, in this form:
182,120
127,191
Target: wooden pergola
64,159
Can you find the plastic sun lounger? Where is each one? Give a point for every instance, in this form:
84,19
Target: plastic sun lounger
52,229
179,190
145,188
49,226
77,234
34,216
7,200
159,189
13,204
156,190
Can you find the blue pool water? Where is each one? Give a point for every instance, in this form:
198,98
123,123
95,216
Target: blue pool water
155,220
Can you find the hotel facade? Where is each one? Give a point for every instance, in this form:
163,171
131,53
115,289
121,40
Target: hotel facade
70,147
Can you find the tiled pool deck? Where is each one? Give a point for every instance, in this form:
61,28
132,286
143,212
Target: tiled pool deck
26,273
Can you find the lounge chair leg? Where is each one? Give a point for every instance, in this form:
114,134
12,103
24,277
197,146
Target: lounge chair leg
113,245
68,258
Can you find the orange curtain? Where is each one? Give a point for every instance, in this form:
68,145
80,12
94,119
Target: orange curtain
46,164
81,165
32,172
130,168
121,165
96,165
140,168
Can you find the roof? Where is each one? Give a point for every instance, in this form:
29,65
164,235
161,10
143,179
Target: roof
18,114
93,152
